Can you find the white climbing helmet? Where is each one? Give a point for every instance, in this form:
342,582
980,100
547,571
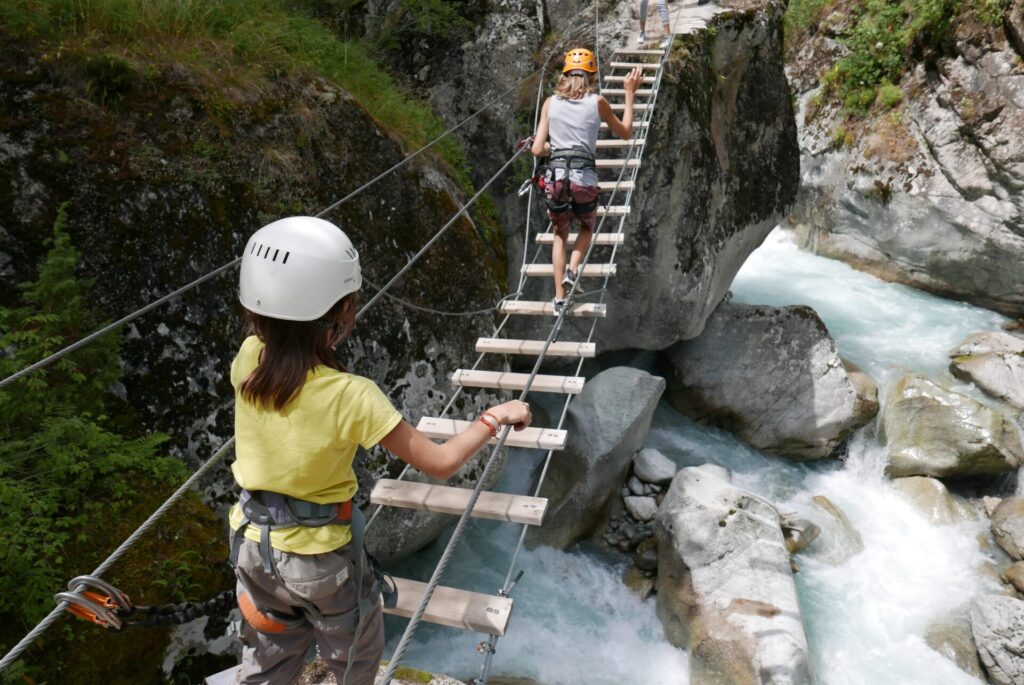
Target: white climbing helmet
297,268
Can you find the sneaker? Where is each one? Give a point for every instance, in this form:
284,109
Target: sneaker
569,280
556,305
665,42
641,39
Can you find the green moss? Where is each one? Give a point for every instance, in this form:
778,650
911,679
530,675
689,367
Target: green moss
233,46
412,675
889,96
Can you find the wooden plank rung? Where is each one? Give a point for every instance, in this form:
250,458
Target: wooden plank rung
589,270
534,347
622,79
622,91
530,438
618,142
637,107
636,124
600,239
444,499
613,210
633,65
615,185
638,51
506,380
583,310
488,614
617,163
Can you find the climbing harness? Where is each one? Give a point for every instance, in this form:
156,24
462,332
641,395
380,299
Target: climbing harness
272,511
555,180
105,605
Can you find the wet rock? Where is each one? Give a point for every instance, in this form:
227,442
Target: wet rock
651,466
635,487
1000,375
646,558
931,498
641,508
988,343
1014,575
771,375
799,533
953,640
625,546
638,583
867,389
989,504
726,593
839,540
1008,526
607,423
997,624
933,431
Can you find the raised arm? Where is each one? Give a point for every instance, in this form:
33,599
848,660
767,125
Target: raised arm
623,129
541,146
442,461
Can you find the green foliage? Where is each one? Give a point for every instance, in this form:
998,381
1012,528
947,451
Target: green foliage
65,477
889,96
234,44
438,18
885,39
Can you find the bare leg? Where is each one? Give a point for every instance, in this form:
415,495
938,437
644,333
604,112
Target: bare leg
580,248
558,259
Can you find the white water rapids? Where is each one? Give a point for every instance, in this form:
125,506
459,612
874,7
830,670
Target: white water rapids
575,622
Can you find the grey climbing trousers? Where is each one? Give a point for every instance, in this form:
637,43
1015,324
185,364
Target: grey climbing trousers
326,582
662,9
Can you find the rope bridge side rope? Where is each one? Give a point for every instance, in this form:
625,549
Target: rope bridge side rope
99,333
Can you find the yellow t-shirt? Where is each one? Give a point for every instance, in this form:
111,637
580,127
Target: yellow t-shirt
306,449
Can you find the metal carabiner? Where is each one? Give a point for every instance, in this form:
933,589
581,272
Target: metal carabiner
90,607
118,599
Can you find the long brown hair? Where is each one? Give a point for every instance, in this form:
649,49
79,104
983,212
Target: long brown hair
573,86
292,349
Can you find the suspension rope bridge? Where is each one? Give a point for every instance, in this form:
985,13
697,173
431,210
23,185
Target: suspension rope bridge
430,601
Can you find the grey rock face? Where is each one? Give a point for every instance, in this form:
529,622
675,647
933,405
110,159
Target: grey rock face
1008,526
997,623
932,431
652,466
930,197
725,589
607,424
772,376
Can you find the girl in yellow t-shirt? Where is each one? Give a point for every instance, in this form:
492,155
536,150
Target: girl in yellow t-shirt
299,418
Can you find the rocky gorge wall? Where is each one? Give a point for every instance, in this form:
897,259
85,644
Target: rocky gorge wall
931,192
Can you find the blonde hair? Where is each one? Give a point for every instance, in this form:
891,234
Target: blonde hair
573,86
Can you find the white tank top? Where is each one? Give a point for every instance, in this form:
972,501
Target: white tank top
574,123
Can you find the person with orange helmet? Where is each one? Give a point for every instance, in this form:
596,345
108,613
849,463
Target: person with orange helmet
567,136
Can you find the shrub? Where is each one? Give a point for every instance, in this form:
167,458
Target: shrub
889,96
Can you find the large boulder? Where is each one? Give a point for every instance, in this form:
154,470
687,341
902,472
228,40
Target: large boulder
987,343
997,622
933,431
952,639
1008,526
725,588
771,375
607,424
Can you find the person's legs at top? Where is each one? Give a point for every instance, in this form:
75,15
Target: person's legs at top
561,239
585,194
663,11
642,38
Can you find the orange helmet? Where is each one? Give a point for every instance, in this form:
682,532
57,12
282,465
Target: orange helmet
582,59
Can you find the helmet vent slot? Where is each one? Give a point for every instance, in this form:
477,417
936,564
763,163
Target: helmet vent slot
253,248
275,255
285,260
